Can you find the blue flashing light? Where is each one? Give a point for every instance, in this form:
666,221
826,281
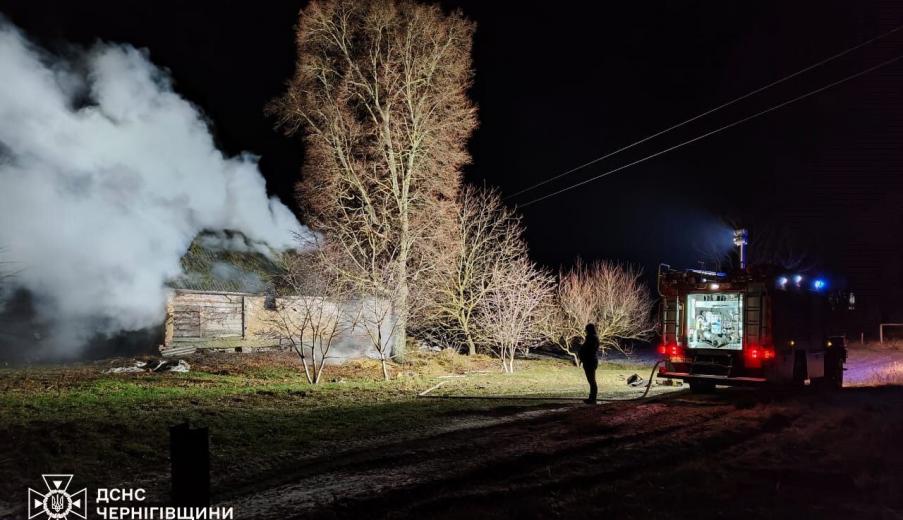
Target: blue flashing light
819,284
797,278
782,281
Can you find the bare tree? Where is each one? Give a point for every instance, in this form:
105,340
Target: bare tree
377,318
313,311
509,316
557,327
607,294
380,90
380,323
486,235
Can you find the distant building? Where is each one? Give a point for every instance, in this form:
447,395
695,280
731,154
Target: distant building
243,322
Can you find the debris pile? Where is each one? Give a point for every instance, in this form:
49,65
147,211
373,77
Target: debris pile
635,380
163,365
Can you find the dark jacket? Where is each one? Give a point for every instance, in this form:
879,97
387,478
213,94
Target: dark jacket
589,350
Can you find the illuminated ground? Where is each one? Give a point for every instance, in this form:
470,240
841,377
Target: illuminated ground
263,417
357,446
735,454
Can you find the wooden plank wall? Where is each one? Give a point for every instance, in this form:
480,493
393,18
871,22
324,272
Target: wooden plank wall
200,315
186,322
233,321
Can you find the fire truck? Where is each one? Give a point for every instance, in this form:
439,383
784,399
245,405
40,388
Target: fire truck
754,326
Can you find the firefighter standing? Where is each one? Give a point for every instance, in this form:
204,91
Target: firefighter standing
588,355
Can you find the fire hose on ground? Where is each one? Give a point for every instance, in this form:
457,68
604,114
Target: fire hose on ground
427,393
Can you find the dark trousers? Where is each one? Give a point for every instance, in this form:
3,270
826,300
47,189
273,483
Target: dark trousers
590,370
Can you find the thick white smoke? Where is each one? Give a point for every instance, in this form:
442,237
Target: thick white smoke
106,175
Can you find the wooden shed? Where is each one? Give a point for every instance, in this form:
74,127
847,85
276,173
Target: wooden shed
238,322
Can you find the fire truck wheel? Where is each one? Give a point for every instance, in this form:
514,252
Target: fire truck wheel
833,371
702,387
800,369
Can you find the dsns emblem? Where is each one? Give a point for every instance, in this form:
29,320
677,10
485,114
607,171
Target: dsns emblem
57,502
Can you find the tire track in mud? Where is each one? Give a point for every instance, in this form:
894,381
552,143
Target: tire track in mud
803,466
440,471
622,458
785,458
393,465
373,452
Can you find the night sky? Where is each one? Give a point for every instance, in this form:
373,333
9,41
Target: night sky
559,84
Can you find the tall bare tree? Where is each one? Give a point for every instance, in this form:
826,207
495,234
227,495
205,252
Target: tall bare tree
485,236
380,91
510,315
611,296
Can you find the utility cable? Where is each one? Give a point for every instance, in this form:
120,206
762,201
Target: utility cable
717,130
710,111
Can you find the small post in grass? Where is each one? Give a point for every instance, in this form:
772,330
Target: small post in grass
189,454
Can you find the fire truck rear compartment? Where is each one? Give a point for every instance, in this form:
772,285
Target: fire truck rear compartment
711,365
716,367
714,320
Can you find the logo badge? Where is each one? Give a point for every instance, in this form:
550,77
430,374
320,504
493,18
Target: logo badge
57,502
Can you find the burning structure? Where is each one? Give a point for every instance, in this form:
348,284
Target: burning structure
243,322
108,174
198,319
230,297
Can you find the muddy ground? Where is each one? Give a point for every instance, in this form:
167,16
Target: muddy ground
736,453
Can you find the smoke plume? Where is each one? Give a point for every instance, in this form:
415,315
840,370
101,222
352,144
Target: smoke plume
106,176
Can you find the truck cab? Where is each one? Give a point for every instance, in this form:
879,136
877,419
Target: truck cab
755,326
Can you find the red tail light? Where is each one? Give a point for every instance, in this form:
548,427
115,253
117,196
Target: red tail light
755,355
671,350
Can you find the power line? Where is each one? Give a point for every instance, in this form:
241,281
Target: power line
717,130
707,112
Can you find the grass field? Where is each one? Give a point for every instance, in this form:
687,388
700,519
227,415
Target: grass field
111,429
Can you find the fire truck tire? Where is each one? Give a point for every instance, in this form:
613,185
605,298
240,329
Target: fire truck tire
800,370
702,387
833,379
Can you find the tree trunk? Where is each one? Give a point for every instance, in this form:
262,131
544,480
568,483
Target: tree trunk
385,368
300,353
508,360
318,370
471,346
401,336
400,305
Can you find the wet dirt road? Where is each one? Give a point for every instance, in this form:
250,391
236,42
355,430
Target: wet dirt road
729,455
733,454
